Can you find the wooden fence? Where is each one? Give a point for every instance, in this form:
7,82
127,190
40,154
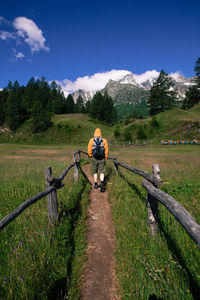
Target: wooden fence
151,183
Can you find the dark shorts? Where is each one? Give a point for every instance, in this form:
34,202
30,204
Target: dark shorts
98,165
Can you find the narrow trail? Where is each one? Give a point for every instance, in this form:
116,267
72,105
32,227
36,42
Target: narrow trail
99,274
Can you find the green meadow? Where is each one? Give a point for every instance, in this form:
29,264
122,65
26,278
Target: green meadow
166,266
38,261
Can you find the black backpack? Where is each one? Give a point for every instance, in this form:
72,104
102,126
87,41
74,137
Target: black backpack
98,150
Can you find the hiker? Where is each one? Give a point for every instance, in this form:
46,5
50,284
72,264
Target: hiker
98,153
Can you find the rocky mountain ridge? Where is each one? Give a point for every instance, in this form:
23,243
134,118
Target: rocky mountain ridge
133,88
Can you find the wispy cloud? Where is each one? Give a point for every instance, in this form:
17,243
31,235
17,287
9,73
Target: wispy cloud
148,75
19,55
26,31
177,75
5,35
30,33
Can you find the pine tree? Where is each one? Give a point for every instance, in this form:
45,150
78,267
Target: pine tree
96,106
192,96
109,112
79,106
40,118
87,107
197,71
69,104
161,95
3,105
102,108
14,113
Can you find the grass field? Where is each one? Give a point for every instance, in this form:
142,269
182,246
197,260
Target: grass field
41,262
167,266
72,129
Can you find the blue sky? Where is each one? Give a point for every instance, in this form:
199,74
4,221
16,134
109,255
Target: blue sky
66,40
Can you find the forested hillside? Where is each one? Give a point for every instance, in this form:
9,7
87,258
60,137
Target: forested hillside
28,110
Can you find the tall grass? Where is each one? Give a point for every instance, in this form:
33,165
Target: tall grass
167,266
39,261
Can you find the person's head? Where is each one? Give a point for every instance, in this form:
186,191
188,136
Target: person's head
97,132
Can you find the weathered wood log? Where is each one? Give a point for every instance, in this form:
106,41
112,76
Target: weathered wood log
52,202
147,176
178,211
76,170
156,171
152,205
116,166
64,173
83,152
10,217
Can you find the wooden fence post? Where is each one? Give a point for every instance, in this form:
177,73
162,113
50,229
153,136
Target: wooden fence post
76,170
152,205
116,166
52,202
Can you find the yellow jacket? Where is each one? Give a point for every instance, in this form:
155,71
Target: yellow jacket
97,133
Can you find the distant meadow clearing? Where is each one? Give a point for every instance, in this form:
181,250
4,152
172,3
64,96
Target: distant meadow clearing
41,262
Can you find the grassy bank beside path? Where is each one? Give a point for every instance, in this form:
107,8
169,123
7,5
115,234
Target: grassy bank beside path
167,266
38,261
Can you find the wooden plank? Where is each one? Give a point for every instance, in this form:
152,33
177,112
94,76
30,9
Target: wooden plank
178,211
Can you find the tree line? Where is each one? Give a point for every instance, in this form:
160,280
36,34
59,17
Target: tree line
38,101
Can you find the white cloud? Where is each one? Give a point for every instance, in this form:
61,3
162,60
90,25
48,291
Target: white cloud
5,35
32,35
19,55
92,83
148,75
176,75
98,81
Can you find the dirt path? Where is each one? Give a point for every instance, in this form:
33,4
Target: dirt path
99,274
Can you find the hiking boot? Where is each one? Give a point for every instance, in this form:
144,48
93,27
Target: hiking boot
96,185
102,187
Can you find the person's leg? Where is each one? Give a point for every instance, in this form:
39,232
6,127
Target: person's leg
102,171
102,176
95,172
95,181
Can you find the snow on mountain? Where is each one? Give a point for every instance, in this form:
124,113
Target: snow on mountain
87,86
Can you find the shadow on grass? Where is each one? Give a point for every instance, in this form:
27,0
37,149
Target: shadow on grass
60,288
134,187
154,297
172,246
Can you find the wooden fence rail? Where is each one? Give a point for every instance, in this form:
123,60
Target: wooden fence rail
7,219
178,211
52,184
151,184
